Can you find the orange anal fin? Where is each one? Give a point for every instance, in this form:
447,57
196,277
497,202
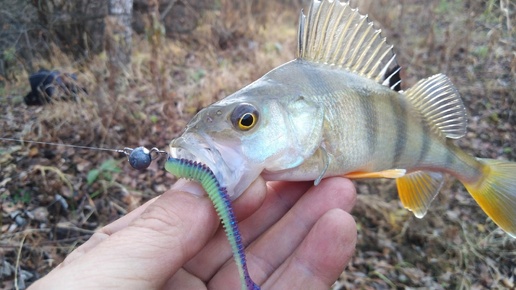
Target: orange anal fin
391,173
418,189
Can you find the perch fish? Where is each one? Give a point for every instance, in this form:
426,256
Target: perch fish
332,112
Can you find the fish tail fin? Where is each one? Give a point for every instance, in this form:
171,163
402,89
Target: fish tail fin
495,192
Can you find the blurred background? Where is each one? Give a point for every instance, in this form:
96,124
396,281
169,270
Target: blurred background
128,73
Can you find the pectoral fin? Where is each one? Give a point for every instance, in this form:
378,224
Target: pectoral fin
418,189
325,168
391,173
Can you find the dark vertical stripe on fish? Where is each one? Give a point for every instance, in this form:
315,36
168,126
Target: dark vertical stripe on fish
425,142
399,108
450,159
370,120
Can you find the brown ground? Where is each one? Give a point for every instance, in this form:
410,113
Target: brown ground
54,197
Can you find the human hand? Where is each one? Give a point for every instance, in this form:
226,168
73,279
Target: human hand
297,236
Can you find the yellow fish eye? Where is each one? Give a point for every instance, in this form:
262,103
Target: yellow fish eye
247,121
244,117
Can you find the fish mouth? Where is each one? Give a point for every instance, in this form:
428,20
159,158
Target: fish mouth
181,149
195,148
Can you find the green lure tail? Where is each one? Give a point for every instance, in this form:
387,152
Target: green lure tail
192,170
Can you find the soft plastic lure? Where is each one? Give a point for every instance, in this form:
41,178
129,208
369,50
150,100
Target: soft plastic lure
141,157
192,170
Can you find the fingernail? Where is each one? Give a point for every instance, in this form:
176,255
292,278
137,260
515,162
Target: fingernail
189,186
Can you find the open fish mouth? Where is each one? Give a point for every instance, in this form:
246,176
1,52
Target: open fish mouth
195,148
224,159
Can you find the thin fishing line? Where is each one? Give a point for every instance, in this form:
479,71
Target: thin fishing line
61,144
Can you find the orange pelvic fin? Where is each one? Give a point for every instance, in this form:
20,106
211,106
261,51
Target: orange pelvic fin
418,189
391,173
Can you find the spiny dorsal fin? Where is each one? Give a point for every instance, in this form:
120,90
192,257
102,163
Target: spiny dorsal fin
440,104
335,34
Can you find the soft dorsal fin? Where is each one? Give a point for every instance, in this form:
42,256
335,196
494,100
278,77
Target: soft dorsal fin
335,34
440,104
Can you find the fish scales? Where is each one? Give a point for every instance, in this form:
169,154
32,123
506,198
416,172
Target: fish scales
397,126
356,122
333,111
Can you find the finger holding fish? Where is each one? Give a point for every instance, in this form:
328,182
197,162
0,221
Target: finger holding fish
297,227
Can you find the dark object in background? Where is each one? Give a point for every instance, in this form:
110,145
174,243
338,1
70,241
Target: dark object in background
47,86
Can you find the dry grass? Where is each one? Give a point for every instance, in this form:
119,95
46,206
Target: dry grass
454,247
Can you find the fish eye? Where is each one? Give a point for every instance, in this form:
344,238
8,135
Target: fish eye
244,117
